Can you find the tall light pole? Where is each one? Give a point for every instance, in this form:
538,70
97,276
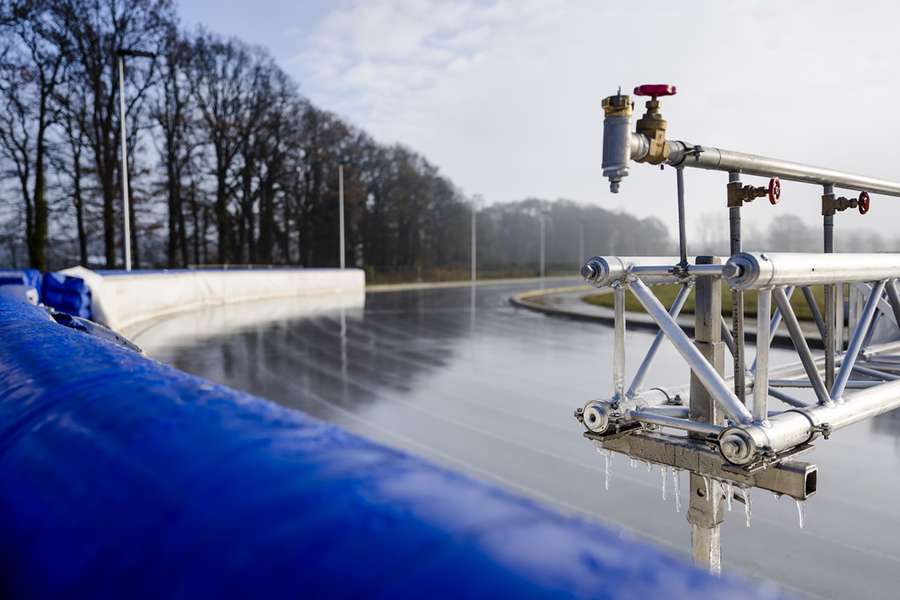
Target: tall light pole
341,207
543,241
474,251
581,256
120,55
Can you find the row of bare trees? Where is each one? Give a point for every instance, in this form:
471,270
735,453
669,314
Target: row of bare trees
228,162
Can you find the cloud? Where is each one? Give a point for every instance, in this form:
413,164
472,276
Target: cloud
505,96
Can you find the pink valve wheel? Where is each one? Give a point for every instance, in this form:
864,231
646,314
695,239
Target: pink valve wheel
655,89
774,190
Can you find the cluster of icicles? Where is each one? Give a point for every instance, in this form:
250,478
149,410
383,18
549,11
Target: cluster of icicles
726,486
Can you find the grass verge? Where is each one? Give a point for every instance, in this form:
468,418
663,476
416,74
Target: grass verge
667,293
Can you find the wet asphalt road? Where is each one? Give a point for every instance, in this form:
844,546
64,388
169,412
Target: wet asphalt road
466,380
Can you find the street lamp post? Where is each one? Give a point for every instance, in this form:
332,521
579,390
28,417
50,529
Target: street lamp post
543,242
120,55
341,208
474,251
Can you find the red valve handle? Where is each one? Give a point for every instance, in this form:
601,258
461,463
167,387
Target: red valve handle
655,89
863,202
774,190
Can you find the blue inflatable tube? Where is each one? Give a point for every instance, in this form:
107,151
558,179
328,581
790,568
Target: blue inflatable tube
122,477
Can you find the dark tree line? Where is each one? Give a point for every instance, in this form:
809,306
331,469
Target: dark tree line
228,162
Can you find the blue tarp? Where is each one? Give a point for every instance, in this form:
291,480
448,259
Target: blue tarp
69,294
122,477
26,277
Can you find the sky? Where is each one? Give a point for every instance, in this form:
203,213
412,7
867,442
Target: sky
504,96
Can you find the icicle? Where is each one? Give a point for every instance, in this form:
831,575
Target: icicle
706,486
676,489
633,463
662,473
607,458
649,466
729,495
799,512
747,509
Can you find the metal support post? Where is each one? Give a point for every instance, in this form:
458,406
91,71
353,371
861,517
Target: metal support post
761,382
619,350
737,300
682,234
706,508
830,292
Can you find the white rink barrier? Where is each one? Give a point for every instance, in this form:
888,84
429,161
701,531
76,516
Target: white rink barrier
123,300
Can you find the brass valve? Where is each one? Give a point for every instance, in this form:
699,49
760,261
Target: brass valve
618,105
652,125
739,194
832,205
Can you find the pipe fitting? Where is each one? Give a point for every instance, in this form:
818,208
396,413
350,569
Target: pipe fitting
616,138
738,446
596,416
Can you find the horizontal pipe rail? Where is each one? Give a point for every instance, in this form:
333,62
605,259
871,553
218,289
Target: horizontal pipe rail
755,270
686,154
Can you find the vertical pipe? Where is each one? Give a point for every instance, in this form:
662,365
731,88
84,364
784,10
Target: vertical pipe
830,294
761,382
341,209
706,506
619,350
126,209
641,373
737,301
856,341
682,236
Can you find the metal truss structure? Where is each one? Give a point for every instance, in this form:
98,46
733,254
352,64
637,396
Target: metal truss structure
724,430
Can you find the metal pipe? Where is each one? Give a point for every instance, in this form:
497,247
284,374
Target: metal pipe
726,336
779,395
619,350
758,270
641,373
706,429
894,299
686,154
828,338
761,380
874,373
682,235
706,374
856,341
853,384
775,323
601,271
814,309
793,326
799,426
737,299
